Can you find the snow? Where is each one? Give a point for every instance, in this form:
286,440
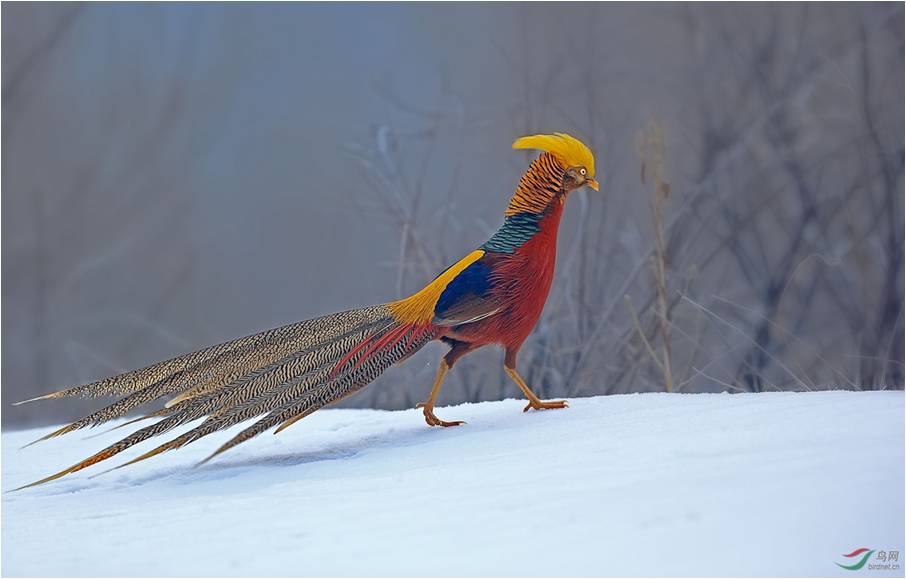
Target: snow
644,484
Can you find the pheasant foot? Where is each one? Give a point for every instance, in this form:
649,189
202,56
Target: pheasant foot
541,405
432,420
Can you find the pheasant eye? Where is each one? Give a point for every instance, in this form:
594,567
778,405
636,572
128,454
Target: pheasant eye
582,171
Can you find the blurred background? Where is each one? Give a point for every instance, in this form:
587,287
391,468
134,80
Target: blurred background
175,175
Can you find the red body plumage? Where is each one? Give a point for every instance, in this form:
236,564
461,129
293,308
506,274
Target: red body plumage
522,282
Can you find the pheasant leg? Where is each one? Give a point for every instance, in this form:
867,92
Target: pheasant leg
428,405
534,402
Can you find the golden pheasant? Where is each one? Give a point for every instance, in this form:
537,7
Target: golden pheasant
494,295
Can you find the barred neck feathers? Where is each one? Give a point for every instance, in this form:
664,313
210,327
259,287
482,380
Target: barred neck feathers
541,183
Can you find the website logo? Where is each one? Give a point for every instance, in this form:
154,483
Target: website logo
882,561
859,556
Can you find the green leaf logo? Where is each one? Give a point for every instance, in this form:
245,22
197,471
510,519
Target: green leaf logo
861,562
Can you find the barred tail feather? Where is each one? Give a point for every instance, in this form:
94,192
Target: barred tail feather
133,380
222,364
286,373
310,391
114,449
364,371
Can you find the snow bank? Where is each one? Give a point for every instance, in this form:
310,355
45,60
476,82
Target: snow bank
647,484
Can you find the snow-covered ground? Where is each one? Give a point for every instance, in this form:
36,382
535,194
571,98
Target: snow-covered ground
647,484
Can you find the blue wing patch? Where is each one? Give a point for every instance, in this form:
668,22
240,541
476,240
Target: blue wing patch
470,285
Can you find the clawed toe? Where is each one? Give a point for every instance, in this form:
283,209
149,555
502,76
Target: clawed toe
432,420
541,405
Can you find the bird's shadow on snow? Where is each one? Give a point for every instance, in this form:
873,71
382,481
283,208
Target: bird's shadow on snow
251,468
252,471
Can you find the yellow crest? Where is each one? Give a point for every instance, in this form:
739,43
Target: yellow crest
568,150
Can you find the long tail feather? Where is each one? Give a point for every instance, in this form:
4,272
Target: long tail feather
287,423
365,372
226,363
48,436
320,369
156,414
114,449
50,396
135,379
132,381
285,373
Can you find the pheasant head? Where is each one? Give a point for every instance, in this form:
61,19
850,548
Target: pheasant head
575,158
566,165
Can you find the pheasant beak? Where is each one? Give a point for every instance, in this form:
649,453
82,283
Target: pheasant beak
592,183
